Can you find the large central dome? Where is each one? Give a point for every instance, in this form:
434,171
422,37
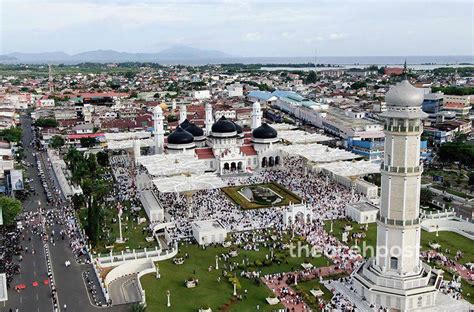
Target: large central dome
180,136
264,132
403,94
223,126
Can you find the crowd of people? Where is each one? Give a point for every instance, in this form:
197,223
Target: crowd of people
326,199
9,248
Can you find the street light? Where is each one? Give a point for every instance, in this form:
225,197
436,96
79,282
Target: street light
168,296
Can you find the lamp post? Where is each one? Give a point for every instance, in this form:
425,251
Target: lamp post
217,262
168,296
296,279
235,289
330,230
158,271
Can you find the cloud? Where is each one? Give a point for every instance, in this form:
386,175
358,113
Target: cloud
253,36
337,36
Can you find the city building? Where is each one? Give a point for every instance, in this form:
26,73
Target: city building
362,212
459,104
433,102
208,232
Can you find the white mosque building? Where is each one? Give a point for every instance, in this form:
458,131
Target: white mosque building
222,146
396,278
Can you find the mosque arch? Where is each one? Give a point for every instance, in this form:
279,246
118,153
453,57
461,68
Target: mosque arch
277,160
233,166
271,161
264,162
226,166
239,166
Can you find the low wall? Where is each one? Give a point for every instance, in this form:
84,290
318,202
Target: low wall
137,256
452,224
129,268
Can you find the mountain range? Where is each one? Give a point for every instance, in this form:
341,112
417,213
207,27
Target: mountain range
175,53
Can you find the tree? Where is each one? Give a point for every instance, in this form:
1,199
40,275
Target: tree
102,159
88,142
10,207
171,118
13,134
471,179
454,151
426,196
57,141
358,85
312,77
46,122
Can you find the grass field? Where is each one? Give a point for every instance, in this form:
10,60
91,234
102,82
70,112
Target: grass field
450,240
288,197
130,231
210,292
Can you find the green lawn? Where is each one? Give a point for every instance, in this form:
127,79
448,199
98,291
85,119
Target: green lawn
338,228
446,239
130,231
467,288
210,292
451,241
288,197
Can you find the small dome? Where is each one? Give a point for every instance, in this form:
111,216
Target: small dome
194,130
238,128
185,124
180,136
403,94
223,126
164,106
264,132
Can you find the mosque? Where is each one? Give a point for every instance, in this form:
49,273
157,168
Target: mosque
223,146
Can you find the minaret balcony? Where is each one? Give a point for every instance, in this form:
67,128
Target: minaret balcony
398,222
402,129
395,169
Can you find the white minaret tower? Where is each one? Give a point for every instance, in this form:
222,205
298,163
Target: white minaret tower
182,113
396,278
158,129
209,120
256,115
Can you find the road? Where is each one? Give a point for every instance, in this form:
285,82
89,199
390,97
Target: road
70,284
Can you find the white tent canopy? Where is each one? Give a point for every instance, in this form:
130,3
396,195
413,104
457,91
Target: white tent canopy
127,144
283,126
185,183
302,137
124,136
171,164
349,169
318,153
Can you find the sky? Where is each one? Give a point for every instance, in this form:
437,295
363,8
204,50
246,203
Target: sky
243,28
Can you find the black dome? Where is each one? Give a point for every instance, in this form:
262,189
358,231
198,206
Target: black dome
185,124
264,132
223,126
238,128
180,136
194,130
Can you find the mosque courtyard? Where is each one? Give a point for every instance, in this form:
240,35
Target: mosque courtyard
263,195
